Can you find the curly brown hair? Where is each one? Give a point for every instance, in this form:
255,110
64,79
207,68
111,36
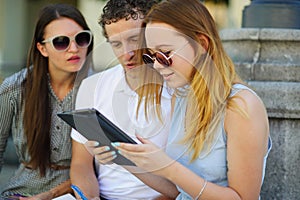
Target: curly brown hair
115,10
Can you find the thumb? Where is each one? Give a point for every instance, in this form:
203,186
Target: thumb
91,143
141,139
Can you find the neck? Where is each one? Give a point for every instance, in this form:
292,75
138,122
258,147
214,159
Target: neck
132,81
62,85
133,77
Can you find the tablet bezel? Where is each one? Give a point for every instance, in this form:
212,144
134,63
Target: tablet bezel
93,125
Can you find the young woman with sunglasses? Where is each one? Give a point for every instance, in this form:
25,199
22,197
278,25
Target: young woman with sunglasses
30,99
219,139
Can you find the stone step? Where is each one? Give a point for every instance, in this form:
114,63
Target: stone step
282,99
265,45
269,71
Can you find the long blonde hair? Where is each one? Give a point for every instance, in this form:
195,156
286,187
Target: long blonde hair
214,72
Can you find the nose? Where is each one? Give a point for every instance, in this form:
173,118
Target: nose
128,52
157,65
128,55
73,46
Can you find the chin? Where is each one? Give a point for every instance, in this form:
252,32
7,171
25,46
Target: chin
132,75
77,69
175,85
171,85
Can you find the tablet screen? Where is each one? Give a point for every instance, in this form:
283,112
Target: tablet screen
95,126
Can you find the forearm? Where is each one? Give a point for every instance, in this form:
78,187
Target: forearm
61,189
86,180
192,184
169,190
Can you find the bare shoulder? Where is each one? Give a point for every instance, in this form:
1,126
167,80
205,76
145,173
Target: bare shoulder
250,103
248,100
254,124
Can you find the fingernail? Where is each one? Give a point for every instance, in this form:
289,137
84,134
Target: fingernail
106,148
96,143
115,144
119,152
113,153
114,156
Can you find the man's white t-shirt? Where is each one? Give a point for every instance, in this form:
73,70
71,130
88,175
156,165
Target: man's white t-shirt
109,93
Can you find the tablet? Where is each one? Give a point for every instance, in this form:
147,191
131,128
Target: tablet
95,126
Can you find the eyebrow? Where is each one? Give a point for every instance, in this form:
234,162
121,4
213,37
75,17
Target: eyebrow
112,41
161,46
133,36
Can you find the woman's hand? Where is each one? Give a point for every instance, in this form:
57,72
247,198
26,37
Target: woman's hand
147,156
42,196
103,154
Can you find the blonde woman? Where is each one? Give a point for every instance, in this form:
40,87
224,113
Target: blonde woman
219,138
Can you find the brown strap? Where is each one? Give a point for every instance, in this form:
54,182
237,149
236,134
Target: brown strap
59,167
52,166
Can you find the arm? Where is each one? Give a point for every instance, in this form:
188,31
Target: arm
104,155
57,191
82,175
7,112
246,147
82,171
169,190
61,189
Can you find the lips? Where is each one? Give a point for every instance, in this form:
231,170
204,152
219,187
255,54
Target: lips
74,58
130,65
167,76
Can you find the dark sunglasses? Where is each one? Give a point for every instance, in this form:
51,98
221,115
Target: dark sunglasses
61,43
162,58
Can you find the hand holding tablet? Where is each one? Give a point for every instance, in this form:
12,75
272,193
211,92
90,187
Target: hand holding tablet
94,126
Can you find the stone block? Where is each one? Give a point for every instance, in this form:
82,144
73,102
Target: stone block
269,61
282,99
242,46
262,45
276,72
282,178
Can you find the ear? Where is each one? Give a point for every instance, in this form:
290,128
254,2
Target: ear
204,41
42,49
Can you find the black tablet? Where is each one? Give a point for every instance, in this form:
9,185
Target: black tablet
95,126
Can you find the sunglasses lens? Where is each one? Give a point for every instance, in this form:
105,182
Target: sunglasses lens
147,59
61,43
83,39
163,59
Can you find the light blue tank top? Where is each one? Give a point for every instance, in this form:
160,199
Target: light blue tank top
211,164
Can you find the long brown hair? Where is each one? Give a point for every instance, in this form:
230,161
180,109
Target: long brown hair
37,114
214,72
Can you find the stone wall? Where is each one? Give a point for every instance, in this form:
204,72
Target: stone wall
269,60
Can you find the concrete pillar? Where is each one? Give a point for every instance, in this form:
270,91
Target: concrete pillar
272,14
269,60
